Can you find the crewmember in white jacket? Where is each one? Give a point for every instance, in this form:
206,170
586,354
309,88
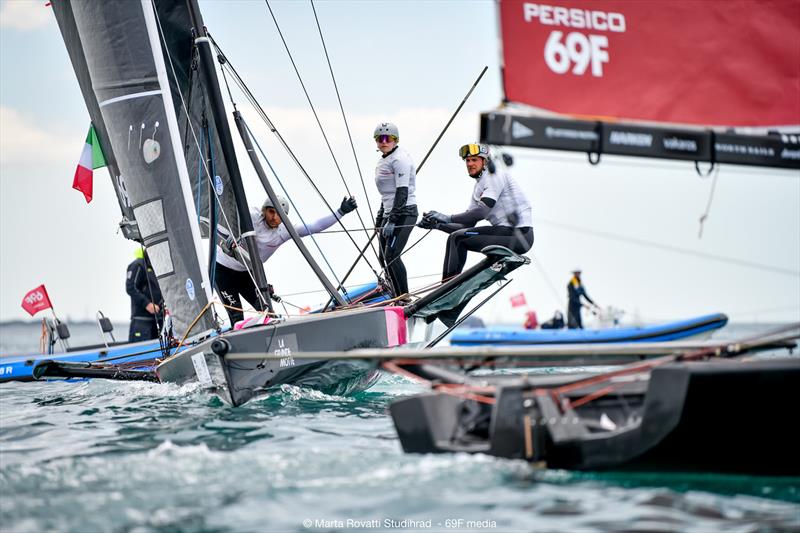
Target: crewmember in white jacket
497,198
231,276
395,178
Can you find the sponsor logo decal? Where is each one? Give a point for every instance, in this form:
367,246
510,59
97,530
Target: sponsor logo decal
519,130
190,288
644,140
284,346
575,51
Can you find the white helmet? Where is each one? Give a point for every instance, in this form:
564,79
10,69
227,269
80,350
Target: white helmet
281,200
386,128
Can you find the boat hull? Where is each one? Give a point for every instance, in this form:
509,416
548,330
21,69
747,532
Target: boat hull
683,329
729,417
270,352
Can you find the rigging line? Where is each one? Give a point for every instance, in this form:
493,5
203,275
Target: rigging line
464,101
452,117
192,69
212,231
264,155
547,279
341,107
375,228
704,216
212,252
356,284
314,111
676,249
260,111
339,219
201,155
406,250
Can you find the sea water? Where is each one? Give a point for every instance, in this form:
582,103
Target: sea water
122,456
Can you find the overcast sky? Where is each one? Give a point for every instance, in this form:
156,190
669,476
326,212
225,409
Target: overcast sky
630,223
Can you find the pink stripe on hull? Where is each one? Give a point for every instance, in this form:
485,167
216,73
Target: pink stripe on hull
396,331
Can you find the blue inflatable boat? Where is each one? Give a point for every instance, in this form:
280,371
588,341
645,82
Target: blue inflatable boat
126,355
682,329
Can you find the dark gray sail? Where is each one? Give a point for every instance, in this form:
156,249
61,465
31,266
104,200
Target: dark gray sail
205,162
66,23
129,81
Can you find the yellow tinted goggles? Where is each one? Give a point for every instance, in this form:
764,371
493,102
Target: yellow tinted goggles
472,149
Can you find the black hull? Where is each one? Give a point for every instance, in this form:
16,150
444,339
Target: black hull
214,365
731,417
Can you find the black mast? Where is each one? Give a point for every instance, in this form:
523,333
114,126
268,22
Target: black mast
221,121
242,127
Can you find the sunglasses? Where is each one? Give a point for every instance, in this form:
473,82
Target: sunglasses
471,149
385,138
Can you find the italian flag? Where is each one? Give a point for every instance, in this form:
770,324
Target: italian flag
91,158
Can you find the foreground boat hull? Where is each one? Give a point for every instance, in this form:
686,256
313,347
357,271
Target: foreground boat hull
698,327
731,417
217,364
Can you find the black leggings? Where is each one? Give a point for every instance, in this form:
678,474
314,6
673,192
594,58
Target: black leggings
518,240
230,284
390,250
142,329
574,320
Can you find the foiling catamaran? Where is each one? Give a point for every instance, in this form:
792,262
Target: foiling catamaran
146,71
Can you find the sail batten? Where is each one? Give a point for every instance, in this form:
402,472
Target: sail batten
130,97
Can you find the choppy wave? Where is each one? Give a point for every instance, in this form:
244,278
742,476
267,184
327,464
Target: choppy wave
119,456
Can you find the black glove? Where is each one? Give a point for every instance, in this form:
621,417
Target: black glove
348,205
271,292
427,223
228,245
388,229
438,217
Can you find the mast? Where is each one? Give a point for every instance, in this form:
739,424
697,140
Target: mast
240,125
218,110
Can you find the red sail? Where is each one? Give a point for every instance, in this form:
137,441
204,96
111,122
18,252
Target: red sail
725,63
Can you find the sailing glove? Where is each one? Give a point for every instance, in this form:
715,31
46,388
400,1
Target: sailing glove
228,245
348,205
387,230
271,292
427,223
438,217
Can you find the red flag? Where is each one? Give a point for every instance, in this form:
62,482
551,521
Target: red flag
518,300
36,300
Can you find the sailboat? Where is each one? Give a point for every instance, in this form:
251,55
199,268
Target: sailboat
146,71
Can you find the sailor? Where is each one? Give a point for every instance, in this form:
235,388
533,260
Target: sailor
146,301
496,197
575,290
395,178
231,276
